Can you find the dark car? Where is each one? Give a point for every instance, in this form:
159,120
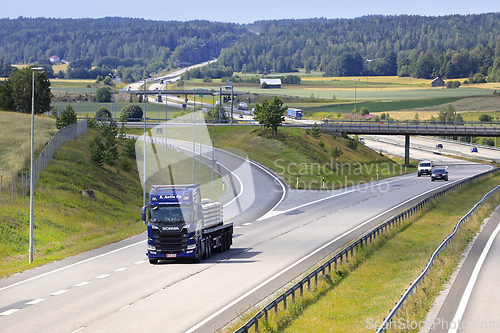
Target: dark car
439,174
439,145
473,150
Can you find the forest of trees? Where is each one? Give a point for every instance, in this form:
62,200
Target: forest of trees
450,46
142,47
454,46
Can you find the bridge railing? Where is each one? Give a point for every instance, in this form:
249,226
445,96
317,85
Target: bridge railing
343,255
417,127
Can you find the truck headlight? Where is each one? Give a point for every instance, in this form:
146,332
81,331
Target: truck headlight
151,248
191,246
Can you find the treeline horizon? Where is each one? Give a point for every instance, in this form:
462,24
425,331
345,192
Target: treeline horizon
453,46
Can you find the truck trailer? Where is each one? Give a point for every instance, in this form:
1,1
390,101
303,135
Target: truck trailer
181,225
294,113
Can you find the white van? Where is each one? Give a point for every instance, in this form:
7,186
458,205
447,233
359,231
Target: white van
425,168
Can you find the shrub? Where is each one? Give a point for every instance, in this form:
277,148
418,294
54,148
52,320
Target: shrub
103,94
488,142
351,144
102,113
131,112
485,118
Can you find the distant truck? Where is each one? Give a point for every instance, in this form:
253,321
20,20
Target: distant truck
294,113
242,106
181,225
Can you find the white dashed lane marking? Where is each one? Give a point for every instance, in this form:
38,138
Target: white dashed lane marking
35,301
121,269
60,292
8,312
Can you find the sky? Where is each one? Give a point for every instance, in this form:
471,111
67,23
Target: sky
240,11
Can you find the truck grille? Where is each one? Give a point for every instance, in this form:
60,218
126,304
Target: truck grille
170,242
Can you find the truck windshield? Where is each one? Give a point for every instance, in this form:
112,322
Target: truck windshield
171,213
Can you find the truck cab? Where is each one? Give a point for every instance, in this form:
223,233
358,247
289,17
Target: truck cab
174,222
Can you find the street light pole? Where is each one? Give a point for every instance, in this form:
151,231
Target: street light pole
470,114
59,108
355,85
33,70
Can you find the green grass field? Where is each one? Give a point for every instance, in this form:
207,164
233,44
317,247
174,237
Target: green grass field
15,139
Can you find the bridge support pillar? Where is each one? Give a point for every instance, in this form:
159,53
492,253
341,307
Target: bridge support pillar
407,150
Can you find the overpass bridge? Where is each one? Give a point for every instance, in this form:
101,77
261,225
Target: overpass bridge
408,128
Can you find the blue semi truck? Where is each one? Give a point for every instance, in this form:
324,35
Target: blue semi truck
182,225
294,113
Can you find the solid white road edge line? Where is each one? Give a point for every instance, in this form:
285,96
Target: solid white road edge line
472,281
72,265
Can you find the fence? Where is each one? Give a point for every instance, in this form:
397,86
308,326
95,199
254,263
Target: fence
62,136
344,255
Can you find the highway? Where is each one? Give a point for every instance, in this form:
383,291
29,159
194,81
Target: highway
115,289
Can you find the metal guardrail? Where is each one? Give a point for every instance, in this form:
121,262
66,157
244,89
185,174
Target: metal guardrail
344,253
429,265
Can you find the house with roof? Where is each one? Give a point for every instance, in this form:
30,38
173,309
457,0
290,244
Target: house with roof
270,83
54,59
437,82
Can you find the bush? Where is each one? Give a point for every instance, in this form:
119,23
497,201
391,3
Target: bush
488,142
103,94
351,144
131,112
485,118
102,113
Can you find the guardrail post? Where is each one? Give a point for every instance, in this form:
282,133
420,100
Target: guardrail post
301,288
256,325
284,301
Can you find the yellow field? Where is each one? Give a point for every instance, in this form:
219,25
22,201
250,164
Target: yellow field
60,67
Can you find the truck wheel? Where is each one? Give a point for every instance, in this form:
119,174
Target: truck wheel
229,240
208,248
197,259
220,249
153,261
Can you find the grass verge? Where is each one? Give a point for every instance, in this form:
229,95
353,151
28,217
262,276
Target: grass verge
359,295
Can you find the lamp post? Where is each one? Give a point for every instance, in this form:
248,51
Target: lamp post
33,70
59,108
470,114
355,84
